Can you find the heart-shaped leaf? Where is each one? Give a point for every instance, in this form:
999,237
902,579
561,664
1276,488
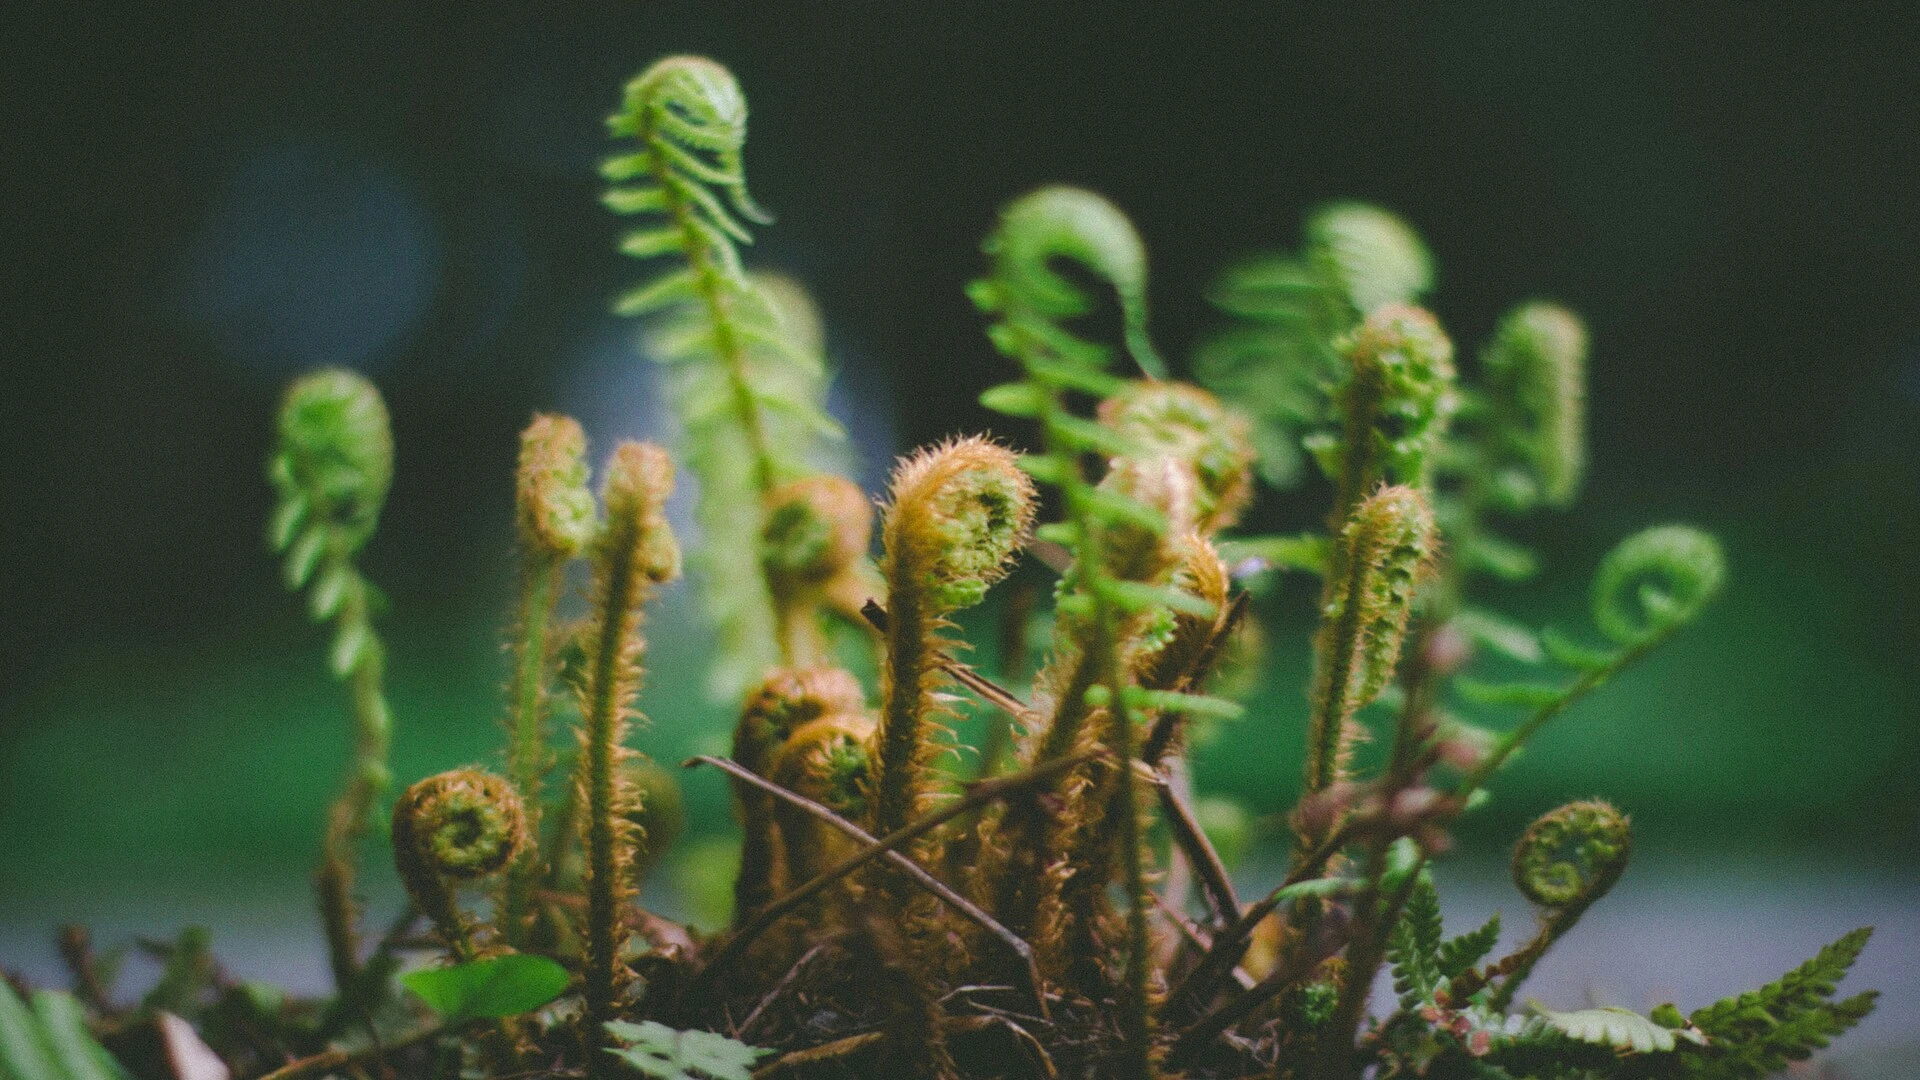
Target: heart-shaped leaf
494,987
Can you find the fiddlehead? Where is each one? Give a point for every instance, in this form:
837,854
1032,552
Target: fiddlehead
1280,361
825,759
331,470
1027,298
556,517
1191,426
1655,582
956,516
453,828
1395,405
1386,547
634,552
746,375
813,552
785,700
1565,862
1536,390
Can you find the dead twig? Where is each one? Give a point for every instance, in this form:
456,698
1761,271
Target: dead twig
1199,851
989,691
1301,963
746,1026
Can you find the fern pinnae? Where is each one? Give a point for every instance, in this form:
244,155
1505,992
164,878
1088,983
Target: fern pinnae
747,380
331,469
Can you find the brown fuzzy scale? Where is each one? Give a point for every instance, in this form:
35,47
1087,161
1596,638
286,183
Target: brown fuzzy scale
958,514
450,828
635,551
786,699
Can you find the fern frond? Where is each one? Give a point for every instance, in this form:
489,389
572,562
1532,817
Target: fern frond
1413,946
1756,1033
1458,954
746,377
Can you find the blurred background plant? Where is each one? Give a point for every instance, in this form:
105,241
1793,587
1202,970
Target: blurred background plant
207,204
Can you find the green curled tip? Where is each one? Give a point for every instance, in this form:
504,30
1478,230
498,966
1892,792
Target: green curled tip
1656,581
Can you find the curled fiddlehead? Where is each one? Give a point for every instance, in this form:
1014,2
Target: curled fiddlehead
1191,426
956,516
1386,547
1536,387
785,700
1566,861
1280,361
814,555
746,374
331,470
1395,405
453,828
634,552
826,760
556,517
1655,582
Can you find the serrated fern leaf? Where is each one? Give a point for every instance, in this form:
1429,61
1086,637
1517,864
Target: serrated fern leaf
745,374
1758,1032
1457,954
1617,1029
1413,947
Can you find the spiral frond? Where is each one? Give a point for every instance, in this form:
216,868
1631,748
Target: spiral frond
1536,370
817,528
452,828
332,467
786,700
1192,426
1397,402
1375,257
827,760
1656,581
1032,299
1385,549
1573,855
553,503
746,376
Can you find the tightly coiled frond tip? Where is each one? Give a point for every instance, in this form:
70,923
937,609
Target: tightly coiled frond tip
958,514
1572,855
1655,581
554,505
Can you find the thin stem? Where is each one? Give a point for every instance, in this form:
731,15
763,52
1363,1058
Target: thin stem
1199,851
620,595
528,754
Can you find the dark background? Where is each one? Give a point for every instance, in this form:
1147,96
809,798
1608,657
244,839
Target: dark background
202,199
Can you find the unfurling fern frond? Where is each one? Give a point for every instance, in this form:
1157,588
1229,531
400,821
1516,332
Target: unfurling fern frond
1536,391
1757,1033
1281,360
747,379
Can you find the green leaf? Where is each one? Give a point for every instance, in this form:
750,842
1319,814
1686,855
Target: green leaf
1620,1029
63,1024
1564,650
663,1053
494,987
24,1053
1015,399
1527,695
1460,953
1413,946
1499,633
1308,551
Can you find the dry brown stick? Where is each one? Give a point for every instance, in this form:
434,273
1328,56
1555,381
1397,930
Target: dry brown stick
746,1026
1204,1030
989,691
979,795
1199,851
1196,935
331,1060
1229,945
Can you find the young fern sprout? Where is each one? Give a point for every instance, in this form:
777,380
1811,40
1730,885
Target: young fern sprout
1536,390
745,373
786,699
826,760
1655,582
1396,404
1282,354
331,470
1565,862
956,516
634,552
1190,426
556,517
814,554
453,828
1028,300
1385,550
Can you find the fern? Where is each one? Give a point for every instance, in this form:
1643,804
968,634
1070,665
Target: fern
1458,954
1414,946
1756,1033
746,375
